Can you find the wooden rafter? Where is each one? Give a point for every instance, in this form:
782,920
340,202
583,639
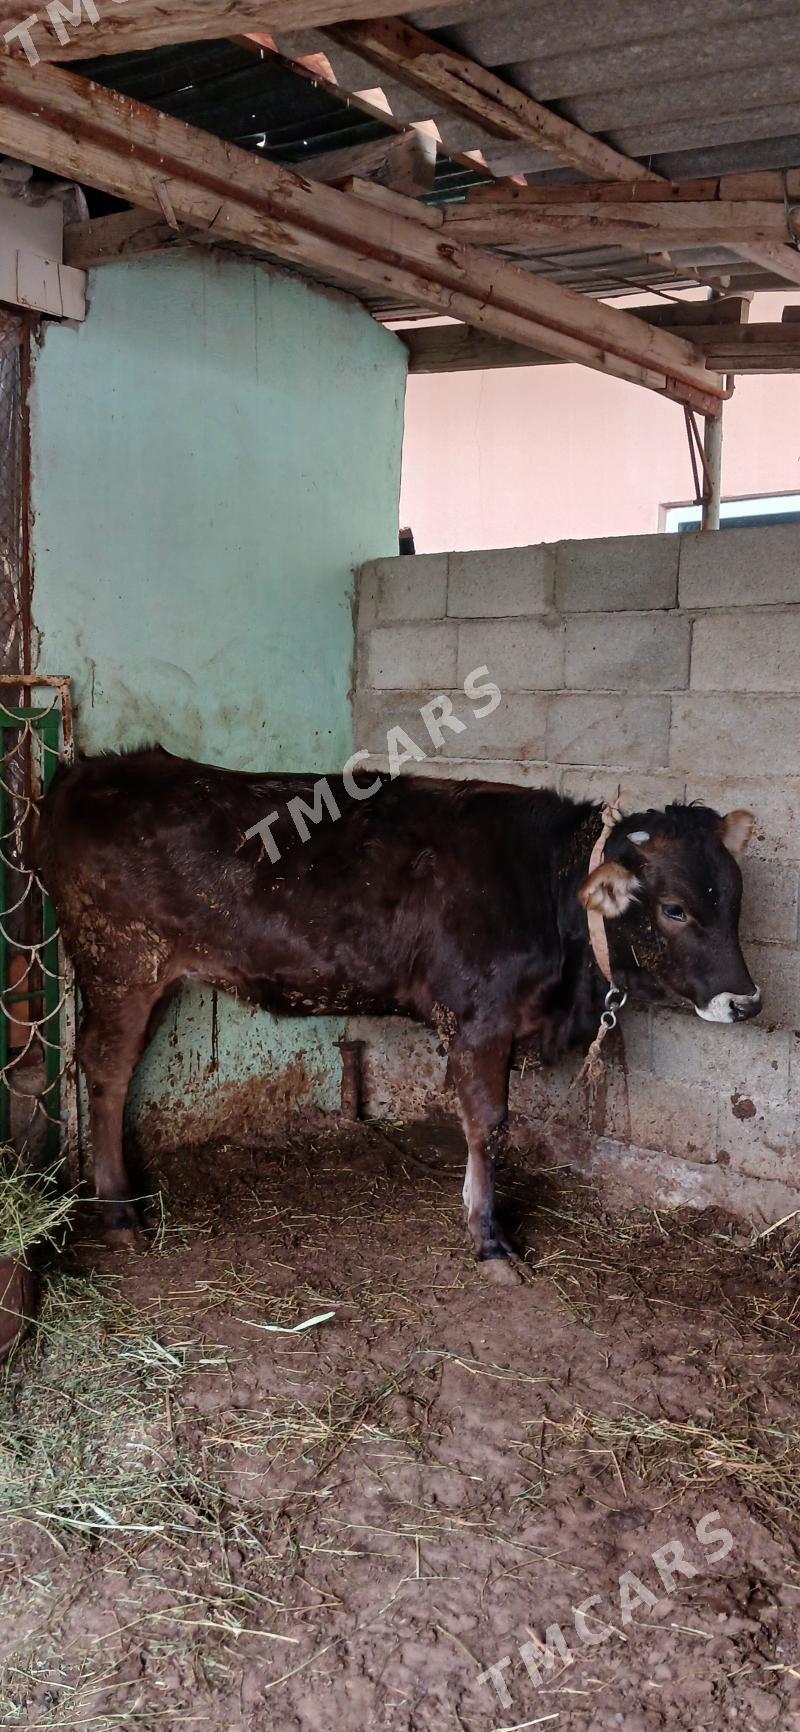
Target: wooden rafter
424,64
93,135
468,88
109,27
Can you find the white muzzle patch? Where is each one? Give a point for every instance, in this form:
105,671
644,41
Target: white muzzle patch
728,1006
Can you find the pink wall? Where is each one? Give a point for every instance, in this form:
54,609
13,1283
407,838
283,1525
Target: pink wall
520,455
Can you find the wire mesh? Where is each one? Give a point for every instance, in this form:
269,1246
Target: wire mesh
38,1109
12,332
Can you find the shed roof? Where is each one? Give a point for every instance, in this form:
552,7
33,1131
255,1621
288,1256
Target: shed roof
692,88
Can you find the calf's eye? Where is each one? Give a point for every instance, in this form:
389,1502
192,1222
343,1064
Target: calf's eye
673,911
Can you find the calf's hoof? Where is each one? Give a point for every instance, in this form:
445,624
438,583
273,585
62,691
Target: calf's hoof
504,1269
122,1227
17,1303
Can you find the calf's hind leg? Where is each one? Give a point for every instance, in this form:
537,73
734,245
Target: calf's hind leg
112,1039
481,1077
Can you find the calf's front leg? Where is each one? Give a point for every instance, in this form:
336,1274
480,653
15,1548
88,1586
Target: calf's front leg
481,1077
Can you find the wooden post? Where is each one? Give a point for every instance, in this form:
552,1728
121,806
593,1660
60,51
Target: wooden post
712,448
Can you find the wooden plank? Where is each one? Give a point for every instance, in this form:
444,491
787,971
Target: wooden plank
783,261
644,227
386,199
140,24
405,162
424,64
761,184
456,348
87,133
125,234
41,285
759,348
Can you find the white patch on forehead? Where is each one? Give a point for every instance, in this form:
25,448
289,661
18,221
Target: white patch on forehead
639,836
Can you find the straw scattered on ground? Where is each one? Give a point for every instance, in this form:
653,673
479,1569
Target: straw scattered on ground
226,1467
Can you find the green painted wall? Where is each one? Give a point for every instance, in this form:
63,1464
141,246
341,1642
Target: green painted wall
213,452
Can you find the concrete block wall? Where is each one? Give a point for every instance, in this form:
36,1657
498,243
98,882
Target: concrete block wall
667,665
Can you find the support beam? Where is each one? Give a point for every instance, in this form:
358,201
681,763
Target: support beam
118,28
87,133
758,348
771,185
426,65
647,227
712,451
405,162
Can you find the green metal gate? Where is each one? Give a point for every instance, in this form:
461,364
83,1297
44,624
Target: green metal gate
38,1104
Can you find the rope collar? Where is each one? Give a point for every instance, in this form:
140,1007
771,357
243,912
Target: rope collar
598,937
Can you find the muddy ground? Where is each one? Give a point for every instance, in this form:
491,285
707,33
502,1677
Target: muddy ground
209,1523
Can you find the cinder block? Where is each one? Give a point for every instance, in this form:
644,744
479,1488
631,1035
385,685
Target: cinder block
606,729
770,901
502,770
405,588
676,1118
628,651
637,791
507,580
367,587
742,568
747,651
746,736
516,729
636,1034
776,969
522,655
617,572
742,1057
405,657
404,1067
775,805
758,1138
543,1090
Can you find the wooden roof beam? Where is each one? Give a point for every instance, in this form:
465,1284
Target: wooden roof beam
759,348
771,185
140,24
86,133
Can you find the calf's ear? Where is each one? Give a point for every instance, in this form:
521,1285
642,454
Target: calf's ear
609,890
737,829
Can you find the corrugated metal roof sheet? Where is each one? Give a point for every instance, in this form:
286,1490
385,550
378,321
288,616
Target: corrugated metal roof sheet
665,82
257,101
689,87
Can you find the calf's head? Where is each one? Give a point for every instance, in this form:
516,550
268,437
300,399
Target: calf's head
671,889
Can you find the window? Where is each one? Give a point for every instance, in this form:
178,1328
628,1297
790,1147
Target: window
750,513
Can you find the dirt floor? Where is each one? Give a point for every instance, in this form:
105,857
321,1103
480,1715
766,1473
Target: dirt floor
211,1521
